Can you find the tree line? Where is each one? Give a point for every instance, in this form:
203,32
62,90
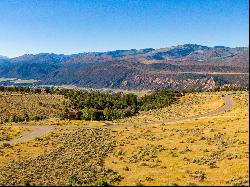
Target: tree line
107,106
25,118
93,105
20,89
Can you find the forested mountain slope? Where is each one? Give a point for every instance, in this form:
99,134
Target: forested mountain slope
182,66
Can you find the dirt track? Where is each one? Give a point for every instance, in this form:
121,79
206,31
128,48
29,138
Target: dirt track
227,106
39,130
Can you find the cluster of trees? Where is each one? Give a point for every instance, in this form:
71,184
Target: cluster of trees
231,88
157,99
184,91
106,106
99,105
14,89
24,89
27,118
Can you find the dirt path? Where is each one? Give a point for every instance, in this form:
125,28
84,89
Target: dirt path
227,106
39,130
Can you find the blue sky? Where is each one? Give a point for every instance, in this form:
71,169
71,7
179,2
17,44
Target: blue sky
73,26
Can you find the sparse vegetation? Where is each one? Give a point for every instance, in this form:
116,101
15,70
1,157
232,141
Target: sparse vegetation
77,161
9,133
190,104
206,151
15,107
211,150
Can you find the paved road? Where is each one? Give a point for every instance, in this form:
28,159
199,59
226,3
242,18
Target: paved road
39,130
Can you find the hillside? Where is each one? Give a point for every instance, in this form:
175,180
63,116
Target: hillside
141,69
210,149
31,106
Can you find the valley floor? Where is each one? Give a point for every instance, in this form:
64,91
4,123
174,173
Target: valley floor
210,150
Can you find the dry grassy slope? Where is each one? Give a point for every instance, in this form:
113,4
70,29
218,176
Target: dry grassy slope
207,151
187,106
65,157
32,104
29,150
9,133
57,122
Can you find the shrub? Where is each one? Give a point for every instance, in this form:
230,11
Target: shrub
6,144
102,182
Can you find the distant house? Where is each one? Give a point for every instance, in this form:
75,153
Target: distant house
44,90
178,94
73,115
38,90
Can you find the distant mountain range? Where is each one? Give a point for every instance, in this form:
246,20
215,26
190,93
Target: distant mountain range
182,66
3,57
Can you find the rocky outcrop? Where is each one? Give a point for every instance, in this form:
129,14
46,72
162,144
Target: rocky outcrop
202,84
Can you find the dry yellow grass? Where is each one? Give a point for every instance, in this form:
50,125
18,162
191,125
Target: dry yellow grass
72,156
25,150
58,122
31,104
80,123
9,133
207,151
189,105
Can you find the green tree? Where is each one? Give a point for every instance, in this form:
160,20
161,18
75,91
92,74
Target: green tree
107,113
85,114
62,116
93,114
26,117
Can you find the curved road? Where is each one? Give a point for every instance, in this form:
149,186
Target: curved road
227,106
39,130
